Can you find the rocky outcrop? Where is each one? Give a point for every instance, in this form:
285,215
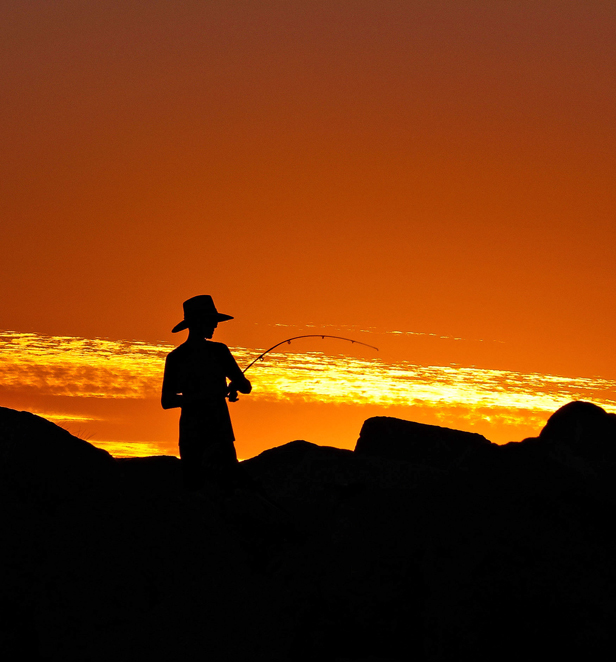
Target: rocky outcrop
44,464
588,430
431,445
423,544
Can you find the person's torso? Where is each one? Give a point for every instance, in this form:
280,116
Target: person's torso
201,369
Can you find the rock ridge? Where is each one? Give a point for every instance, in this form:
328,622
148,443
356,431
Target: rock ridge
423,543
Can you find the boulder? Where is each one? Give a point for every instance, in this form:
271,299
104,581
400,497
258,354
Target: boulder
431,445
156,475
587,429
42,463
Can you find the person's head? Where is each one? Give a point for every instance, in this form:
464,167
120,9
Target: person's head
203,328
200,316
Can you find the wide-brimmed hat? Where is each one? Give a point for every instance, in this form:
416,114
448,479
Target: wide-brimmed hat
199,309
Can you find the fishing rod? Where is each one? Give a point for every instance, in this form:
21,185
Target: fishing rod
311,335
233,394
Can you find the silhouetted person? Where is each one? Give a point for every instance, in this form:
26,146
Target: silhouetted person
195,379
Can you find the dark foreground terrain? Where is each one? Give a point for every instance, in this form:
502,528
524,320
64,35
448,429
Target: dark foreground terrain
422,544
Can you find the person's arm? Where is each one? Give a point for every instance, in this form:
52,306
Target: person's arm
243,386
235,374
170,398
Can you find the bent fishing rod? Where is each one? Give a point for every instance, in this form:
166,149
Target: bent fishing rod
233,394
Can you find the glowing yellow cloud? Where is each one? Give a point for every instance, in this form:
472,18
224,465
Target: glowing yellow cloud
98,368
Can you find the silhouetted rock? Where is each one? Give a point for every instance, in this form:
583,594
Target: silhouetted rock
419,443
157,475
42,463
585,428
423,544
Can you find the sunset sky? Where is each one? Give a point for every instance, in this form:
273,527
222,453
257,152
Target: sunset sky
436,178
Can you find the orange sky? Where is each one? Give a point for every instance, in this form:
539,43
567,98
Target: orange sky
435,167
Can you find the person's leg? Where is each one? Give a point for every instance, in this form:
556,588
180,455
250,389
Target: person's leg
220,464
191,455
